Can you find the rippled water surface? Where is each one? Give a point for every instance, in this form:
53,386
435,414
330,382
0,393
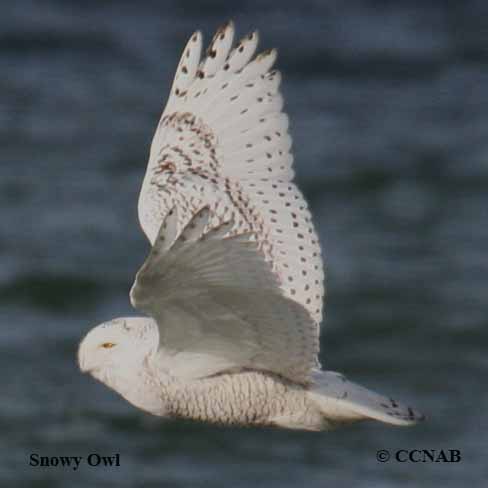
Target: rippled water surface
389,110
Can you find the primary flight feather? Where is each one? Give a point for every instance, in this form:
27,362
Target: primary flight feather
233,284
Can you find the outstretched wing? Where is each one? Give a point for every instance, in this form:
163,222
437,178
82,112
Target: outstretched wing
223,119
224,125
219,306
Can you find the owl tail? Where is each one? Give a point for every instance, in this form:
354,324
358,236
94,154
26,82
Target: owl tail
342,401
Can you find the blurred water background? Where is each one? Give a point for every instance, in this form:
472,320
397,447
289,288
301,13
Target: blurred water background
389,109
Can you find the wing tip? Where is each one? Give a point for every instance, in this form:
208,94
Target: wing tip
196,36
226,29
253,36
227,25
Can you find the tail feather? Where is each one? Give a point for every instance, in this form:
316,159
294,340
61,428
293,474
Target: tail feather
342,400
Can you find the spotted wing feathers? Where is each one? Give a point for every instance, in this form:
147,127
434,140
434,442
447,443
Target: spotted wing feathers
237,97
224,128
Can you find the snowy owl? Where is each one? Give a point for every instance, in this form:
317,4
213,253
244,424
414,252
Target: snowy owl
233,284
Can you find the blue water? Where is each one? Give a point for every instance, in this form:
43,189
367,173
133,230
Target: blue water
389,110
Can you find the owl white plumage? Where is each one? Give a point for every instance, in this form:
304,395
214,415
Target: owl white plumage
234,281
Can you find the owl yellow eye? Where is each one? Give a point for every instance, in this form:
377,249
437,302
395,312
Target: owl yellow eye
107,345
